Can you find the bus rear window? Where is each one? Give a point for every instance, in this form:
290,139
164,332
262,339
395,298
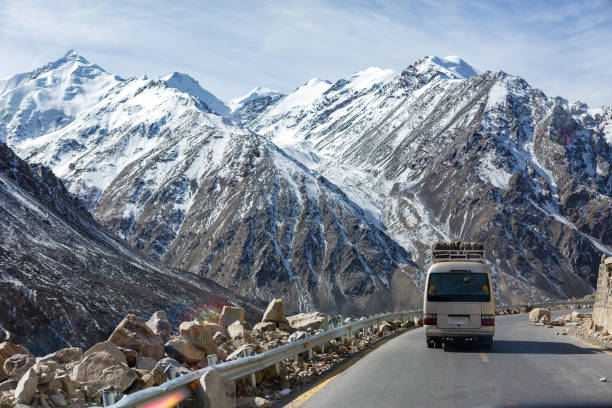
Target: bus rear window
458,287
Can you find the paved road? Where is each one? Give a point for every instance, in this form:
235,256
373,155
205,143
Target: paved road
526,364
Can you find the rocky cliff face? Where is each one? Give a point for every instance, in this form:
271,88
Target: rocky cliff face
602,310
65,280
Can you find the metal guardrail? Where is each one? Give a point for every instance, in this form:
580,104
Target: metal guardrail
248,366
547,304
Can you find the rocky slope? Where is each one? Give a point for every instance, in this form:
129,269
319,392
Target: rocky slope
166,167
66,281
440,151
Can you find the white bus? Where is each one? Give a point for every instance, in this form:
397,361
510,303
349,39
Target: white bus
458,301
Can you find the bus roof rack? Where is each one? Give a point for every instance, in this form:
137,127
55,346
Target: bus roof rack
457,251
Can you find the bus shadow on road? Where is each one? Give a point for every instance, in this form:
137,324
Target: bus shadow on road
528,347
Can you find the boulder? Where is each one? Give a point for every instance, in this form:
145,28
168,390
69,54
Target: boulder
26,387
110,348
58,400
557,322
133,334
184,352
312,321
536,314
100,370
219,338
545,319
145,363
215,328
385,327
218,391
158,372
159,324
63,356
263,327
8,350
237,332
17,365
230,314
577,315
275,312
198,335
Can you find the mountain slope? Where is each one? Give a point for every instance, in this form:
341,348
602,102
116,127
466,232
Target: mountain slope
439,153
66,281
190,188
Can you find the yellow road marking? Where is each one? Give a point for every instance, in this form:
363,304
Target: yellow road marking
484,357
595,346
308,394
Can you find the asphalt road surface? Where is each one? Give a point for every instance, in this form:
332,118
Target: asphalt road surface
527,363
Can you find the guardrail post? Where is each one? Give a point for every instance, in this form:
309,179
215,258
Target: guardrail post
310,353
109,396
277,368
212,359
248,351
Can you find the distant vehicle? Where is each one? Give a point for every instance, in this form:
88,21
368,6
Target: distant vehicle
458,303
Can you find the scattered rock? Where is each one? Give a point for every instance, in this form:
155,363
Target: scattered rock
218,391
198,335
275,312
64,356
145,363
158,372
230,314
58,400
100,370
557,322
238,332
159,324
219,338
284,392
536,314
603,379
133,334
184,352
16,365
8,350
110,348
263,327
312,321
26,387
252,402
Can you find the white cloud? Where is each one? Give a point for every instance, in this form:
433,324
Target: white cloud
562,48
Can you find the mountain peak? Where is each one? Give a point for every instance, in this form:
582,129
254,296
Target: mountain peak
452,66
255,93
189,85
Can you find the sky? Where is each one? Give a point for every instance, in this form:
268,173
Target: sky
230,47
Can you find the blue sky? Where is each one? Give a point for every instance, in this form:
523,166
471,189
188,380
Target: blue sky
563,48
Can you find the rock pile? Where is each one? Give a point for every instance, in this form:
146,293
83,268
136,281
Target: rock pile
137,354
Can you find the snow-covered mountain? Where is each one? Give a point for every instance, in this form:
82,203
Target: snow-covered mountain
440,151
326,196
159,163
66,281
